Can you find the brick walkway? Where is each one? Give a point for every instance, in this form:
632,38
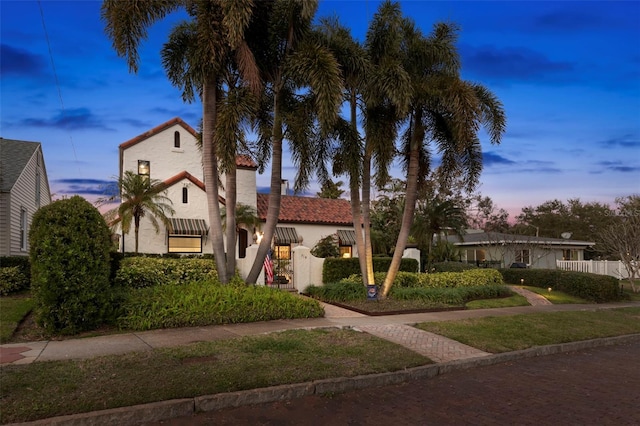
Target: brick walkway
435,347
534,299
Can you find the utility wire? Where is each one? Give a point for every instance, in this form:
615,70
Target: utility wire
55,76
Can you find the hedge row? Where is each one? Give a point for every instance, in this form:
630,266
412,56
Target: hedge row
591,287
139,272
208,303
335,269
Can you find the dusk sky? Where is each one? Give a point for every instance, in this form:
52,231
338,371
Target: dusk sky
567,72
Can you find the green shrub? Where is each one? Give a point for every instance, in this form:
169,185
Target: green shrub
24,267
346,290
327,247
207,303
12,280
70,245
451,267
140,272
592,287
450,296
334,270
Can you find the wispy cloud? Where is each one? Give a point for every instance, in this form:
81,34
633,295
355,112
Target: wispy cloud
624,141
616,166
490,158
513,63
18,62
105,188
73,119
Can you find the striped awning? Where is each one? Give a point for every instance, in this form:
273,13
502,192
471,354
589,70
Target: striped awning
181,226
286,235
347,237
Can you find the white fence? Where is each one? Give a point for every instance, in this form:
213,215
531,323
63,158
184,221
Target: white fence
614,268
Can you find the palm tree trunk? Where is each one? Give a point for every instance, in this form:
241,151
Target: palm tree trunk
356,205
210,166
368,277
410,198
230,198
273,211
137,229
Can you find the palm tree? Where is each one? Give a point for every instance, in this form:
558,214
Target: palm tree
354,65
304,90
215,34
443,110
140,197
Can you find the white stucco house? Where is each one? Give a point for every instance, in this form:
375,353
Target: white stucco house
169,153
24,188
502,250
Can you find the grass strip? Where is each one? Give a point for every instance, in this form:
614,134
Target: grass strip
12,311
512,333
47,389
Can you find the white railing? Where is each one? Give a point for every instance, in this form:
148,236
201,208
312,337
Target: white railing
615,268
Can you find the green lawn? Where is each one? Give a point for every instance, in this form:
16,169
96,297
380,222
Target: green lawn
12,310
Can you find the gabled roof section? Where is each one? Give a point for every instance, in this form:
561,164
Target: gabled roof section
497,238
320,211
186,175
158,129
183,175
14,156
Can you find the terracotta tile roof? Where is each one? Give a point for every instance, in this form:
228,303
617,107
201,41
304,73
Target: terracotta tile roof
323,211
246,162
158,129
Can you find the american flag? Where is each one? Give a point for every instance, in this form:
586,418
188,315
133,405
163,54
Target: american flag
268,268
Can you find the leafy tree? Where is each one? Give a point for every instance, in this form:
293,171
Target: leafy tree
140,197
622,237
327,247
331,189
487,216
208,42
303,91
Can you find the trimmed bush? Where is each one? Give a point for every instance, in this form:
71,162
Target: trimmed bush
24,268
70,245
592,287
12,280
451,296
334,270
140,272
199,304
451,267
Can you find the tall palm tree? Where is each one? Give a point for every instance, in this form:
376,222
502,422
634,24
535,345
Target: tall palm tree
140,197
444,111
354,65
303,86
216,33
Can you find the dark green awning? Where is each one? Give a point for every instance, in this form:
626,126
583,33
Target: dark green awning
347,237
286,235
181,226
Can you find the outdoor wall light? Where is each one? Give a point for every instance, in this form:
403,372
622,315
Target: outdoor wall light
521,281
259,236
549,289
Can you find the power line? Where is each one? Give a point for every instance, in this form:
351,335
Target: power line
55,76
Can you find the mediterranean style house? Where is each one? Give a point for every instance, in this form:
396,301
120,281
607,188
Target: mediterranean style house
24,188
170,153
502,250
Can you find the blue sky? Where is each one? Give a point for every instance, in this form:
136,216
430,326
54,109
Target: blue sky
567,72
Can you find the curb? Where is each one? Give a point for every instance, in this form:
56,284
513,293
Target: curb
164,410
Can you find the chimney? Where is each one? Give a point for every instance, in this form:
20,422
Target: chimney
284,187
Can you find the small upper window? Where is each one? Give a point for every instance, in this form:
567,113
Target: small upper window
185,195
176,139
144,168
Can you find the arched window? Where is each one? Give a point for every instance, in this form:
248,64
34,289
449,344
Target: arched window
185,195
176,139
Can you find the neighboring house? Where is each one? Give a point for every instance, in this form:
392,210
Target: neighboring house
502,249
24,188
169,153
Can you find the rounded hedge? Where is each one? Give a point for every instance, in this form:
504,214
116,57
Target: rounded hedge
70,266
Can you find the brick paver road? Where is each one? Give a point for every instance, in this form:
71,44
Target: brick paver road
598,386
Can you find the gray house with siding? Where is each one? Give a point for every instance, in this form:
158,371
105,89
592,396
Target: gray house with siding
24,188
